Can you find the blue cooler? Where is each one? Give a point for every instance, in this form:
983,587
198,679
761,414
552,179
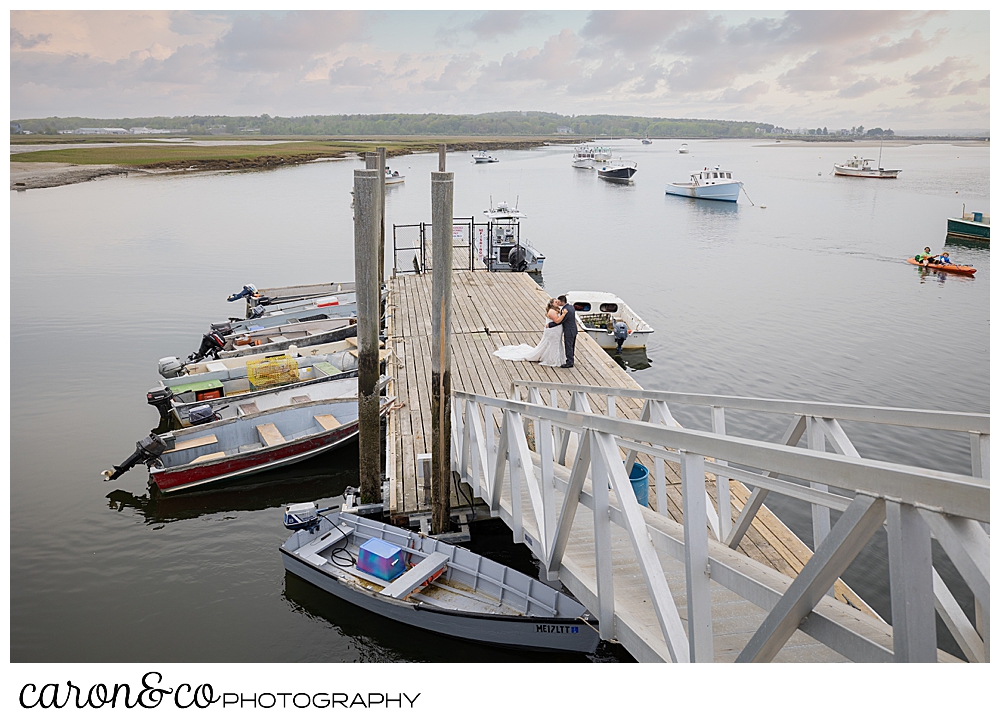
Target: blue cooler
382,559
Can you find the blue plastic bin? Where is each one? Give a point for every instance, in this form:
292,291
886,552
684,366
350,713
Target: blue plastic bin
977,217
639,477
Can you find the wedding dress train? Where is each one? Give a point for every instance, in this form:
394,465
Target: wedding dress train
550,351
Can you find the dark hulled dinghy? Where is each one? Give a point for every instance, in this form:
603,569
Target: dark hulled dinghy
420,581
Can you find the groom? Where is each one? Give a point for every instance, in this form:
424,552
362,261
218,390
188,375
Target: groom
567,319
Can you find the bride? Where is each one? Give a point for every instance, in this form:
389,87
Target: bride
550,350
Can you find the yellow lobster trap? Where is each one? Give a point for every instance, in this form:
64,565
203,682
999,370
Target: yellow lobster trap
272,371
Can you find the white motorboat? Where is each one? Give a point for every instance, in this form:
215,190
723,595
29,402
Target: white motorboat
683,148
646,141
484,157
711,184
499,245
859,167
419,581
596,314
392,177
619,171
590,156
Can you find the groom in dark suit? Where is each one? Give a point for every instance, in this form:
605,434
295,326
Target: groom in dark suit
567,319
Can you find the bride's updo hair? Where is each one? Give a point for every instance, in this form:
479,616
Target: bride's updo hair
550,305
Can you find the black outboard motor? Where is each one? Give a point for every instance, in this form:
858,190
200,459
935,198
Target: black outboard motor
202,414
621,333
211,344
518,259
160,397
147,450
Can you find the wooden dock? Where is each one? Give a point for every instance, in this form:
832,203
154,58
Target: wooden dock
491,310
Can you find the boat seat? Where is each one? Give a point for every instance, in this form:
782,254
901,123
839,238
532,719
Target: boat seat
192,443
215,366
249,408
206,457
279,337
269,435
327,421
327,368
250,447
301,398
416,576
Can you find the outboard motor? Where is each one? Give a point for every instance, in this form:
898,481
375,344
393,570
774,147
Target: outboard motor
518,259
256,312
202,414
248,290
147,450
160,397
211,345
621,333
170,367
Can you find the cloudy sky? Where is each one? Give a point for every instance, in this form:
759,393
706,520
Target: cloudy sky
900,69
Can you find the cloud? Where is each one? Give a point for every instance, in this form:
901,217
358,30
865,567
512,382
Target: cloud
934,82
273,44
908,47
22,42
455,72
745,95
864,86
968,106
966,87
354,71
636,30
494,23
554,64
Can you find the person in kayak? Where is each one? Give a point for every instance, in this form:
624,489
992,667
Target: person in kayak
943,258
925,258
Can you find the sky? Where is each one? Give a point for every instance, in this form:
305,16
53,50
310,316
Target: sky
905,69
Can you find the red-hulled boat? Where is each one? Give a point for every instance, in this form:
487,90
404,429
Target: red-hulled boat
224,451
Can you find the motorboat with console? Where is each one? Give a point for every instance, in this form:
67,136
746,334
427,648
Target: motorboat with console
499,245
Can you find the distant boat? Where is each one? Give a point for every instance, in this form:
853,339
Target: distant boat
392,177
588,156
484,157
619,171
419,581
683,148
858,167
646,141
715,184
971,226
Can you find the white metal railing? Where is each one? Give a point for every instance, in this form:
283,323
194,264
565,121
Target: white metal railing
915,503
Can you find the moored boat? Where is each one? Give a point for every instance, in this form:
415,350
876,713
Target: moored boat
620,171
858,167
646,141
683,148
393,177
221,342
484,157
588,156
597,313
428,584
971,226
714,184
231,449
281,294
171,367
499,245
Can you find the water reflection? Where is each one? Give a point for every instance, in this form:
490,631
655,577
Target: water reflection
322,477
631,359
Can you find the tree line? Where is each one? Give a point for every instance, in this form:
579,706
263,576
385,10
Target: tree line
512,123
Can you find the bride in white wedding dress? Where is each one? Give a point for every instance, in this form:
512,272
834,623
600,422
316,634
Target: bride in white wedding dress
550,351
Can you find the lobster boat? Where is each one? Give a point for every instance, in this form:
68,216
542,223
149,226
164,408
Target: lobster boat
618,171
422,582
712,184
228,450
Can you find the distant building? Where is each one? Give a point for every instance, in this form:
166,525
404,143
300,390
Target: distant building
564,129
101,131
143,131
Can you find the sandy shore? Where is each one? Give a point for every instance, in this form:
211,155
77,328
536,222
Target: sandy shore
24,176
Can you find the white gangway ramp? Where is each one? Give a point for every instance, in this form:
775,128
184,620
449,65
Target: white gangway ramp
682,592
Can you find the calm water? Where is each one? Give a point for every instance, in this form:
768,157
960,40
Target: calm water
807,298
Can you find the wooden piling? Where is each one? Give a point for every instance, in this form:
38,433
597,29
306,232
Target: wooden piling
442,201
381,221
366,237
442,155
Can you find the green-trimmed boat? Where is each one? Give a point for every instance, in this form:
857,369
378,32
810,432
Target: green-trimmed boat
971,226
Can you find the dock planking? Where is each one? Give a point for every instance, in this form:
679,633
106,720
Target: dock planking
490,310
